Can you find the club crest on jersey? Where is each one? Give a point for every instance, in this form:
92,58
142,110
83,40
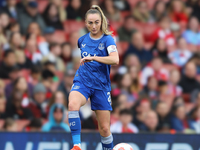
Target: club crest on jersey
101,46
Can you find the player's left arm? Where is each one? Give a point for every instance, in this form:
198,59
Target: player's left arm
111,59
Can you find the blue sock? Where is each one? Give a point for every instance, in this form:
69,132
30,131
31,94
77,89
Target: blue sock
75,126
107,142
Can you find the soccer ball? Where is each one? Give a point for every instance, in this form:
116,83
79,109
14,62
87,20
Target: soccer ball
122,146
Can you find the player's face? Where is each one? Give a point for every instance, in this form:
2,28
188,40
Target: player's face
93,23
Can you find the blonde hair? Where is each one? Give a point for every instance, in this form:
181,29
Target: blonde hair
95,9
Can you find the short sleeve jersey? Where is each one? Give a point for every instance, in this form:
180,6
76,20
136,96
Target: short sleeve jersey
94,74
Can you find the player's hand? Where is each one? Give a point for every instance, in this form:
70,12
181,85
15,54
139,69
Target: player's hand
86,59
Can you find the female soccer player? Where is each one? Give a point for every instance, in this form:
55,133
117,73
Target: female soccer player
98,52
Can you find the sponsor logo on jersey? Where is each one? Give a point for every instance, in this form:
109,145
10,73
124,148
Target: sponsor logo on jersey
101,46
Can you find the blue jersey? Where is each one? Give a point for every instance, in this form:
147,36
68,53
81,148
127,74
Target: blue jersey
94,74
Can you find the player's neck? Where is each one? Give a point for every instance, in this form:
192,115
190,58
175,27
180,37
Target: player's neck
96,36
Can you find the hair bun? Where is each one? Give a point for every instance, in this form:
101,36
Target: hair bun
94,7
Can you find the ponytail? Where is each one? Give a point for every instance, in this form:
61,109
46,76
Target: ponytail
104,25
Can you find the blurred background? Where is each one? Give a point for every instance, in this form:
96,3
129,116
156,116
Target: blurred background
155,89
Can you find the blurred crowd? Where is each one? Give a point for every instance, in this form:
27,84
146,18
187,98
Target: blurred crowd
155,89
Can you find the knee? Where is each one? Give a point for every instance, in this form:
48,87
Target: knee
73,106
105,130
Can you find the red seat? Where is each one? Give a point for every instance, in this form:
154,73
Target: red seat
73,25
42,4
122,47
59,36
132,3
125,13
115,24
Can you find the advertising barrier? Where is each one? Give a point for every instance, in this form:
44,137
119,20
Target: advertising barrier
91,141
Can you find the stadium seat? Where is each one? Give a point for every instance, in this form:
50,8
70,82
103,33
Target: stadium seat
59,36
115,25
125,13
42,5
150,3
132,3
122,47
73,25
25,73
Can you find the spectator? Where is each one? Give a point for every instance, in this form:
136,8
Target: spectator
180,56
140,12
48,80
51,17
66,53
122,5
74,10
135,87
163,31
5,21
66,84
56,119
31,50
124,124
10,125
150,122
160,50
110,11
90,123
20,84
173,87
61,9
34,31
114,116
7,64
38,105
194,121
53,56
132,60
139,110
176,30
162,110
154,69
178,101
16,41
192,34
22,61
73,38
59,98
2,107
11,9
14,27
178,119
34,125
126,30
124,86
151,89
14,108
35,75
3,39
137,47
188,81
177,11
2,88
30,14
196,10
159,10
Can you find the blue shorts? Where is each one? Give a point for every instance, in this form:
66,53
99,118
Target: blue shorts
100,100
